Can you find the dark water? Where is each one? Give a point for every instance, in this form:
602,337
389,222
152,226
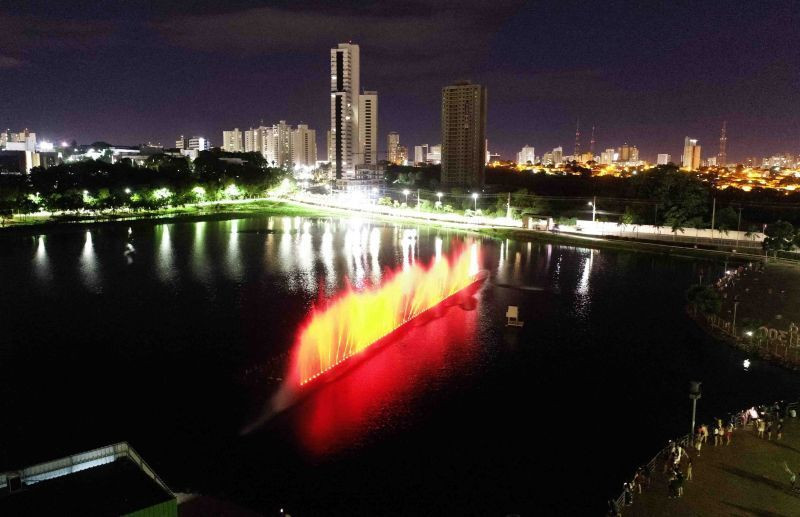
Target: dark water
171,343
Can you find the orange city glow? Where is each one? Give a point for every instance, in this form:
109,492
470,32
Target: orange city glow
355,320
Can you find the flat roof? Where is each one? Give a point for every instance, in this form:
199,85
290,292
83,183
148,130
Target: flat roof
115,488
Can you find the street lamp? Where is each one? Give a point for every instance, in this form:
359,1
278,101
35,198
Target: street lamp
694,394
475,198
593,204
439,195
405,193
127,191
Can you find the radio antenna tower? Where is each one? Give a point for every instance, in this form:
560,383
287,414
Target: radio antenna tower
591,143
723,144
577,139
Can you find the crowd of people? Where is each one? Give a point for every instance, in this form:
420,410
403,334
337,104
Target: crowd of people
766,422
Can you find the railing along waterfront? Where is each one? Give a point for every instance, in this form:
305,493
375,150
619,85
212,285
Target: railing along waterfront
740,420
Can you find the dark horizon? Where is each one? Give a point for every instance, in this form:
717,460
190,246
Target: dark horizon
139,71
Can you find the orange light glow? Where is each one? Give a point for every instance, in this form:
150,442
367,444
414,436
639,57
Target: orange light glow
355,320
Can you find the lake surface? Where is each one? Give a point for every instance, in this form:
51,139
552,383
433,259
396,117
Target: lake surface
173,336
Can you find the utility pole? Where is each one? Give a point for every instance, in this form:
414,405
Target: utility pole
694,394
739,227
508,207
713,215
417,200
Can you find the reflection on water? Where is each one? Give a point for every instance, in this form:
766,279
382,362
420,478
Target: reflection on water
201,266
326,254
41,262
165,261
343,413
89,273
233,262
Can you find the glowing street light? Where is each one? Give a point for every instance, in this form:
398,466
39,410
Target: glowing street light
593,204
475,198
405,193
439,203
127,191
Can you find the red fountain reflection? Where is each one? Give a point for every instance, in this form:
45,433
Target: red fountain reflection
384,393
355,321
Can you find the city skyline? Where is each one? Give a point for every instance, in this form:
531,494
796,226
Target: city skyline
540,84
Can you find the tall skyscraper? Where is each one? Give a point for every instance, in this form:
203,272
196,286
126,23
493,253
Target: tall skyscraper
722,157
304,146
368,128
691,154
527,154
463,134
393,148
345,86
577,150
232,141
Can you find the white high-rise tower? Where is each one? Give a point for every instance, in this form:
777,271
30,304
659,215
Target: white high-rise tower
345,87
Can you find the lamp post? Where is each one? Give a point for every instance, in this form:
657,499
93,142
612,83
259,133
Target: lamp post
475,198
439,195
733,325
405,193
593,204
694,395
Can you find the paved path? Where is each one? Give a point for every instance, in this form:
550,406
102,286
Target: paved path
745,478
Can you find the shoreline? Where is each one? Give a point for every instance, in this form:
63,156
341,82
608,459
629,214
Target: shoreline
290,207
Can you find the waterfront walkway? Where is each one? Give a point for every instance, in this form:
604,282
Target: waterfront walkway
746,478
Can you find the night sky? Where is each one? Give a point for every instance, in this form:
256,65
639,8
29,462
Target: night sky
645,73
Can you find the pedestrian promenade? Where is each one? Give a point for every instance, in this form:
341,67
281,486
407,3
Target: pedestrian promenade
745,478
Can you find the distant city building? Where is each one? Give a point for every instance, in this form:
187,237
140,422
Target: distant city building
195,143
278,145
526,155
663,159
420,154
711,161
435,154
393,148
558,155
463,135
691,154
585,157
345,87
304,146
547,159
402,155
633,154
22,141
254,140
608,157
232,141
198,143
368,128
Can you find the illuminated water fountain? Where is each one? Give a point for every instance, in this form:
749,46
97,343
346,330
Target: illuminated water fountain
356,320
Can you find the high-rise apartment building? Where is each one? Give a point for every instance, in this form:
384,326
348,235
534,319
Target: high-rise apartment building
463,134
527,154
435,154
368,128
393,148
278,145
254,140
663,159
345,87
691,154
304,146
232,141
198,143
